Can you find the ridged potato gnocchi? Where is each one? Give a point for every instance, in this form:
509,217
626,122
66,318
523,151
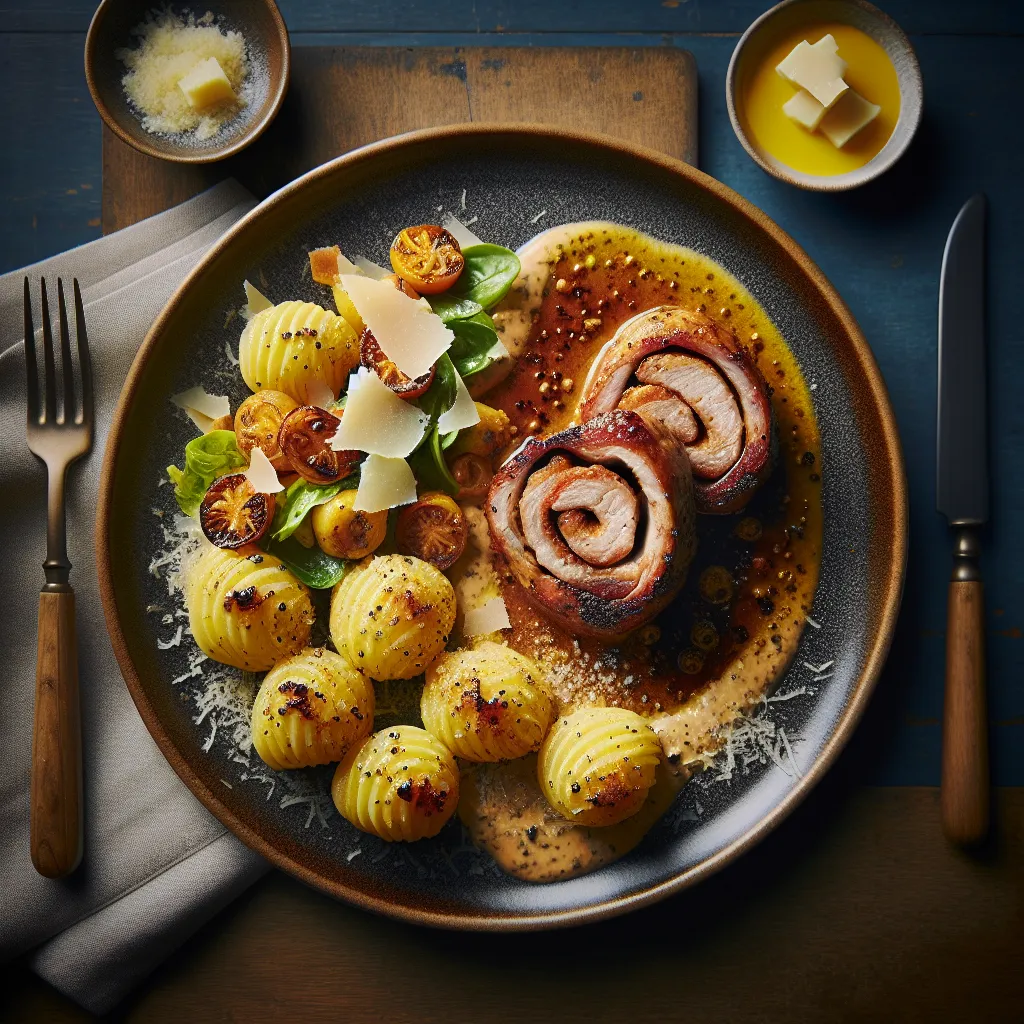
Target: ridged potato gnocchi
489,703
294,343
596,765
401,784
392,615
245,608
311,709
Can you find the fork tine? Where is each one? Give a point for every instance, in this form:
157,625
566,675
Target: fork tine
49,371
84,359
30,359
67,368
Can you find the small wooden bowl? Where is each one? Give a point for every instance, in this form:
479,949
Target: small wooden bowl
269,52
870,20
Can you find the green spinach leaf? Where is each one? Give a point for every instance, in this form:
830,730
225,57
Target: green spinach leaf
311,565
476,345
452,308
443,390
300,499
488,274
213,455
429,467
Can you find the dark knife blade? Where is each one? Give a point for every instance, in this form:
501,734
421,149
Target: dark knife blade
962,447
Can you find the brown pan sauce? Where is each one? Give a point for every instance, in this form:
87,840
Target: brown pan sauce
732,631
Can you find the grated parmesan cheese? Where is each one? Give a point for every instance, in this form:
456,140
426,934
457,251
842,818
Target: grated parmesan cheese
170,48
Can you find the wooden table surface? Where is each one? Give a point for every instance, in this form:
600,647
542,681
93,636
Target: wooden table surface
855,909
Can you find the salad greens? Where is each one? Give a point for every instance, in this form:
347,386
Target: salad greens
428,464
300,499
451,308
489,273
311,565
207,457
476,345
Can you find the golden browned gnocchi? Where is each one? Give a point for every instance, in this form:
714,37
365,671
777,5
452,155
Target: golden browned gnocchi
391,616
289,346
485,438
596,765
401,784
345,533
245,608
489,703
311,708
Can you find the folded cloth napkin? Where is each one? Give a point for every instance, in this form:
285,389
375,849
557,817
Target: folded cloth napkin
157,864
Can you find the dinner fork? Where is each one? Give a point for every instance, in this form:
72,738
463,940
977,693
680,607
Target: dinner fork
58,433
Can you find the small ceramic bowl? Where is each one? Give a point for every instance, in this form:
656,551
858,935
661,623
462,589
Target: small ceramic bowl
791,14
269,56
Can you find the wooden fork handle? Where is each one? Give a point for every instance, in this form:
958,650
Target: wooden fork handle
965,780
57,740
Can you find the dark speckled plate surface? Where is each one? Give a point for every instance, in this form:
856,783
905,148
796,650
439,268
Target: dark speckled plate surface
509,175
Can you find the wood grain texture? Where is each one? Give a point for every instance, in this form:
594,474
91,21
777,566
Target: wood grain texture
500,16
853,911
965,777
56,793
344,97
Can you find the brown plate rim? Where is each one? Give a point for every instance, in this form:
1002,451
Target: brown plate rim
250,135
891,458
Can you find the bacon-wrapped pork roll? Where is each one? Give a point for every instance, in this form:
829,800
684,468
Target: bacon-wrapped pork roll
683,370
596,522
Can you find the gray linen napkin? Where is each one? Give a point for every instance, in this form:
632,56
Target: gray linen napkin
157,864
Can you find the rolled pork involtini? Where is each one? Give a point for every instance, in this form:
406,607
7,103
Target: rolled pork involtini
688,373
596,522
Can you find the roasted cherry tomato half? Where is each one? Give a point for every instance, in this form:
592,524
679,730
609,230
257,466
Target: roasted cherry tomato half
305,441
234,513
428,258
473,475
258,424
433,529
371,355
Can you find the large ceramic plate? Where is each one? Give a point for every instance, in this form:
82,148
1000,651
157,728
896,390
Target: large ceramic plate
510,175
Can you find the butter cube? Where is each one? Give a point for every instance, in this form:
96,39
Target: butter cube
803,108
206,85
850,114
819,69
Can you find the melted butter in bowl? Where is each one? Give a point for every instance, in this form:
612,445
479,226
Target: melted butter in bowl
730,634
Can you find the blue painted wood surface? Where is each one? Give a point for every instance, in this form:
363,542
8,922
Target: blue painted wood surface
881,246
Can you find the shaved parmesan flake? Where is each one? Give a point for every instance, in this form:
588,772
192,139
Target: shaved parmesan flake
255,301
384,483
213,406
487,619
377,421
363,266
408,332
459,231
319,394
202,409
462,414
261,474
345,265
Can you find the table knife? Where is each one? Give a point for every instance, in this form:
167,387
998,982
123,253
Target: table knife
962,497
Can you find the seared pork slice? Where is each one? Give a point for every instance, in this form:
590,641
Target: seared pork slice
699,384
596,522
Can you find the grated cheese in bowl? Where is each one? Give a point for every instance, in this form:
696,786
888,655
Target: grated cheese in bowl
170,48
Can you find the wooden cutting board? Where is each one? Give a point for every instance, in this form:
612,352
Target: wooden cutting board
344,97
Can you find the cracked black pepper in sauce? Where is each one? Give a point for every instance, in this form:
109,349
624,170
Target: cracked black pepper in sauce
733,629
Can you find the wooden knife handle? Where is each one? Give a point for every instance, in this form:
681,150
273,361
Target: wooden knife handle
965,778
57,740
